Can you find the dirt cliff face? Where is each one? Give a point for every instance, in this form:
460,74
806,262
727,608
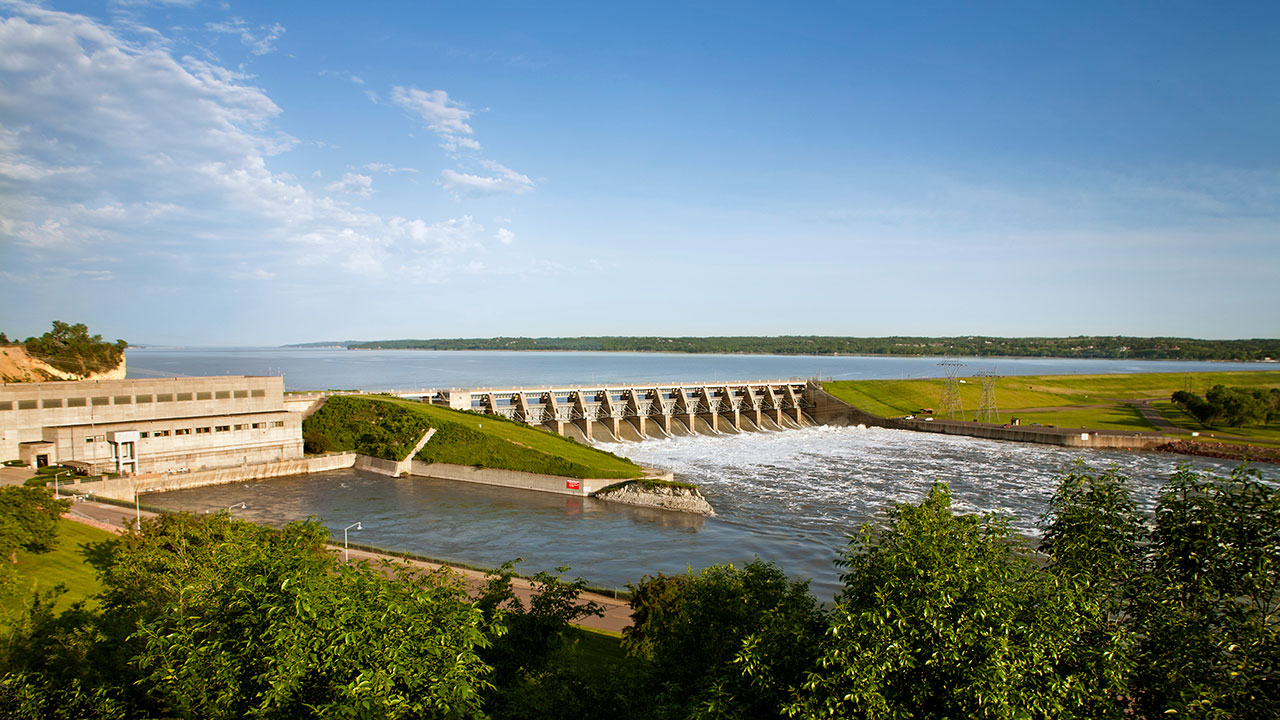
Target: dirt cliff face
17,366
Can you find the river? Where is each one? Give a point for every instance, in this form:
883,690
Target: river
790,497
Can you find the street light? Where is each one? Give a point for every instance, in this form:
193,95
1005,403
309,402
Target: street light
237,505
346,554
57,496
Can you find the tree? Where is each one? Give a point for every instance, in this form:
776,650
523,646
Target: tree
1209,610
725,642
28,519
942,616
227,619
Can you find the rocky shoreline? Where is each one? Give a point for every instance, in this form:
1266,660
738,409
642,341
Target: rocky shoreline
658,495
1251,453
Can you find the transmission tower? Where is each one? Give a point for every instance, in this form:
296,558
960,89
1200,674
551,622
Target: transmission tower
949,403
987,411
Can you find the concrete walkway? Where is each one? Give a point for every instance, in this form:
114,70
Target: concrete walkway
617,614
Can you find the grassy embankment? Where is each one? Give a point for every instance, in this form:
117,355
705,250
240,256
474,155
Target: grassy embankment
388,428
1100,402
64,564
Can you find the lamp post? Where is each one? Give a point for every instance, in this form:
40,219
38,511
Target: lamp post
346,554
56,495
237,505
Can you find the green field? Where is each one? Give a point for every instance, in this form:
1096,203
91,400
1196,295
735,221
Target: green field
1092,401
384,426
64,564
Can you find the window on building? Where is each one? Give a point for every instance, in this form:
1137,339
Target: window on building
241,427
164,397
6,405
144,435
160,433
124,399
222,428
222,395
277,423
259,426
101,400
259,393
143,399
75,402
202,431
182,431
184,397
26,404
51,403
204,396
89,439
242,393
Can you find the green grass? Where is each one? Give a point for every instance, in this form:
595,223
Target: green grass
1183,419
597,650
391,426
1092,401
1111,417
63,564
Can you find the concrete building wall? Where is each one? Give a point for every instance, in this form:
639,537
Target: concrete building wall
183,423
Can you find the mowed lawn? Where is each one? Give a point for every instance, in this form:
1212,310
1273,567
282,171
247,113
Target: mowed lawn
64,564
521,436
1092,401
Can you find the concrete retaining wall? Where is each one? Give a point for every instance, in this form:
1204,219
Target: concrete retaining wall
509,478
124,488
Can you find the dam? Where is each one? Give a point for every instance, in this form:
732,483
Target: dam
627,412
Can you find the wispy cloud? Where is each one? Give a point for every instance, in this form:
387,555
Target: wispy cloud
120,156
353,184
259,42
501,180
435,108
388,168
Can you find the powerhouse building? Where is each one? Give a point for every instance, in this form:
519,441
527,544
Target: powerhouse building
152,425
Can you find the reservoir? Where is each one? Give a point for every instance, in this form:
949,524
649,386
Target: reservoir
790,497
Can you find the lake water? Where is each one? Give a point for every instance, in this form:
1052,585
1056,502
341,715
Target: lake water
791,497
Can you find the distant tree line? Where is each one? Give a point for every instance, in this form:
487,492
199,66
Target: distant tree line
71,349
1071,347
1112,615
1231,406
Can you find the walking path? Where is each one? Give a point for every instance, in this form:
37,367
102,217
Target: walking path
617,613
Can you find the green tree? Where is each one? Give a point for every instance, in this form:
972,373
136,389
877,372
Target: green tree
725,642
227,619
28,519
1208,610
942,616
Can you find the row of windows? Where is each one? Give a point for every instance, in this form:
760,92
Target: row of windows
199,431
99,400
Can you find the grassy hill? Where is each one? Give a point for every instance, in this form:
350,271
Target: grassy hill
388,428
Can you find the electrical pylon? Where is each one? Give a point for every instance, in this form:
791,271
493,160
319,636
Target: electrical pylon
949,403
987,411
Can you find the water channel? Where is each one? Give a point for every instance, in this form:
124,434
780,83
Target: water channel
789,497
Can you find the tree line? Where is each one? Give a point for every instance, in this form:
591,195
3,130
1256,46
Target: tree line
1231,406
980,346
1112,614
70,348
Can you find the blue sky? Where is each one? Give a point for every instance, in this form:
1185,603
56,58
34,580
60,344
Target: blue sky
222,173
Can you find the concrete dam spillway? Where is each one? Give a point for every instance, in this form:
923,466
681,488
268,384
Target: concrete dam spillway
614,413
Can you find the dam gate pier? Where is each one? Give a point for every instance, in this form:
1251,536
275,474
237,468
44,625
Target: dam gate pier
637,412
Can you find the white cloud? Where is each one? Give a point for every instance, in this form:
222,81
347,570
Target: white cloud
453,143
504,180
119,156
388,168
435,108
257,44
353,184
504,236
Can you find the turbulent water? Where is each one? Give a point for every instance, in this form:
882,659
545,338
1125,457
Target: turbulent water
791,497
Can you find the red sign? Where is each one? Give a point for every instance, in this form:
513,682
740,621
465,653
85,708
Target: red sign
572,485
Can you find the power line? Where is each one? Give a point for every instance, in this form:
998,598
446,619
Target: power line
987,412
